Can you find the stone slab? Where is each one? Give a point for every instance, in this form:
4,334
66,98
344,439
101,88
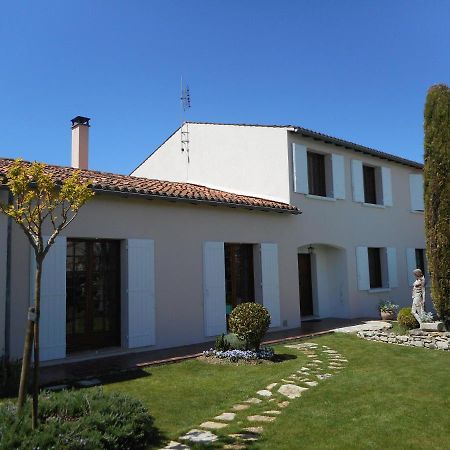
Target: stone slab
199,436
240,407
227,416
291,390
259,418
213,425
264,393
173,445
253,400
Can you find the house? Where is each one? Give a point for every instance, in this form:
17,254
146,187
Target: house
362,229
308,225
146,265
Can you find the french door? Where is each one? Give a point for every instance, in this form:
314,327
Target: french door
93,294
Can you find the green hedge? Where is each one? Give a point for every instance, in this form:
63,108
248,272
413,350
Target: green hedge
84,419
406,319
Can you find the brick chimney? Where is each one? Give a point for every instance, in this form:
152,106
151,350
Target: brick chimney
80,142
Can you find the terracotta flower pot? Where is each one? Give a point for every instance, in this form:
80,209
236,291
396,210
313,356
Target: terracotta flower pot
387,315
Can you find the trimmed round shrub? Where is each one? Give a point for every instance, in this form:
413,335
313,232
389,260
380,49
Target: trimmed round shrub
406,319
249,322
74,420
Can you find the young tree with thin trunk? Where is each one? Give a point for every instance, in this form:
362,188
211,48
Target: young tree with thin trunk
437,196
39,204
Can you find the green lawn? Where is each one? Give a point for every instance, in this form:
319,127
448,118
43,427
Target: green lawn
387,397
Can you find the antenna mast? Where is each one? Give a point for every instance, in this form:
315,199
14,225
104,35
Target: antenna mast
185,100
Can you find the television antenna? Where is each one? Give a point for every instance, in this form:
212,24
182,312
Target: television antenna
185,101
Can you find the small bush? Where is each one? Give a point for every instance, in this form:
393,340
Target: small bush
9,377
73,420
249,322
234,342
221,345
406,319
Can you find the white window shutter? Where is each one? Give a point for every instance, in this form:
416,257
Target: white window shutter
300,161
52,331
411,264
357,181
391,253
416,192
338,171
386,182
214,288
362,268
141,292
270,282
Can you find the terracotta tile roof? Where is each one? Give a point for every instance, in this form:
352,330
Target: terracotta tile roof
158,189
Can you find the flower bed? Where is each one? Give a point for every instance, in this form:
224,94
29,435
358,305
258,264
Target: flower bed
264,353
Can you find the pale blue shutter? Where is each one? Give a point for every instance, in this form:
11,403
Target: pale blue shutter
357,181
391,254
300,162
338,171
214,288
141,292
416,192
53,299
362,268
411,264
270,282
386,186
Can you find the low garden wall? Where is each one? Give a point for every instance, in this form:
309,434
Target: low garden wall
415,338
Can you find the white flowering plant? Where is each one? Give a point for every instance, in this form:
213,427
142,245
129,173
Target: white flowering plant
426,317
265,353
387,306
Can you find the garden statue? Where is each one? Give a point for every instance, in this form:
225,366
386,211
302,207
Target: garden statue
418,295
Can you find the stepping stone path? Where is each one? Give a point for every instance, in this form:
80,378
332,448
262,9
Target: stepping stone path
324,363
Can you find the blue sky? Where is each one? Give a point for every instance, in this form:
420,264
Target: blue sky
353,69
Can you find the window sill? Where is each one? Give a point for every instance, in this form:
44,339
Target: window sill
379,290
417,211
319,197
373,205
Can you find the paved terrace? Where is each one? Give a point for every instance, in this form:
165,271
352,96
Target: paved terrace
103,364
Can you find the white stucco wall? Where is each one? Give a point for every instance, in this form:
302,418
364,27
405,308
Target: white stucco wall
258,161
347,224
178,231
239,159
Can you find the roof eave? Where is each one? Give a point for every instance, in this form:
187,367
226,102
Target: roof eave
197,201
355,147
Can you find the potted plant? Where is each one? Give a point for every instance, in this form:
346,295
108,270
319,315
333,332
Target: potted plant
388,310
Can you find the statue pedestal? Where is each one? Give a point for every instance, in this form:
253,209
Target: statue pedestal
432,326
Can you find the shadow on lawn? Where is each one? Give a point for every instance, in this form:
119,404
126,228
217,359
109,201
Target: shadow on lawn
281,357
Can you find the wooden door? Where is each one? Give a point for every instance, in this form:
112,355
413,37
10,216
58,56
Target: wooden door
93,294
305,281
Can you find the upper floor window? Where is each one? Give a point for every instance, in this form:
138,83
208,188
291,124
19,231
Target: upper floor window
316,174
370,184
416,192
420,259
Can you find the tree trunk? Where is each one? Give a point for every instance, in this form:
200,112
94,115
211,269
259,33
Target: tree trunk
23,388
37,308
